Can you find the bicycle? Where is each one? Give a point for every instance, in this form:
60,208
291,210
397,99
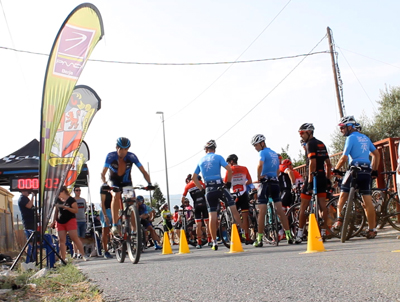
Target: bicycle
226,220
386,204
130,237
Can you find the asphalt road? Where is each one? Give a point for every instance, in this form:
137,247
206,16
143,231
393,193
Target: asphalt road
359,270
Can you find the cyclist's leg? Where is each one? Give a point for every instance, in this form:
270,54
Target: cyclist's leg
212,199
364,185
344,194
243,204
197,217
232,206
115,207
322,205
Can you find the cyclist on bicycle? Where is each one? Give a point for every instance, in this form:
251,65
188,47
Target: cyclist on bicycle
240,179
357,149
210,166
317,160
119,164
145,221
267,175
200,208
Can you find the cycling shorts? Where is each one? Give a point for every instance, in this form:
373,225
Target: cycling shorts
268,189
242,202
321,187
286,198
363,182
177,226
145,223
103,220
168,226
200,212
115,183
213,195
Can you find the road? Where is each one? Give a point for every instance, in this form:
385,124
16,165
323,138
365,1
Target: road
359,270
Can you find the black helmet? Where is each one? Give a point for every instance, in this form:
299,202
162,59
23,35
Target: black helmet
232,157
211,144
306,126
123,142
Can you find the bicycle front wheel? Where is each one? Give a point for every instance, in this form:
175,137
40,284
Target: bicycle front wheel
393,213
134,239
347,225
225,229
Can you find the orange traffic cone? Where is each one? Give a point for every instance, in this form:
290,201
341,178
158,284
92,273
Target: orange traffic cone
183,244
236,244
166,248
314,239
396,251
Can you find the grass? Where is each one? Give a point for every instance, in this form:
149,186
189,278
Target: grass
64,283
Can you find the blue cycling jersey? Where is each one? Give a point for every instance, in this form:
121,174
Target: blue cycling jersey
358,147
270,162
143,209
112,164
210,166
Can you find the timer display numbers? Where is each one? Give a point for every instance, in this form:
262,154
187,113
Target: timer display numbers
19,184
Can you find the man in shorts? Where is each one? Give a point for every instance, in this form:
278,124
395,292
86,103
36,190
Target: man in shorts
105,219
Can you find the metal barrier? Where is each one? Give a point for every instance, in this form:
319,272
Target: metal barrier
388,150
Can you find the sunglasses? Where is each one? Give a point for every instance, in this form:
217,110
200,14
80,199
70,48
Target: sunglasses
302,132
342,127
77,190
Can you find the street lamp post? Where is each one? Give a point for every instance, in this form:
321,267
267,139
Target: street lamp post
165,156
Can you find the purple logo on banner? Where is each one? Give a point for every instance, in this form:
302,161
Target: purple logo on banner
72,51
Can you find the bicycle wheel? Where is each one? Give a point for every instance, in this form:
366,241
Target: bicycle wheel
392,211
225,228
271,226
378,200
347,223
331,207
190,234
359,218
160,233
134,239
120,249
293,218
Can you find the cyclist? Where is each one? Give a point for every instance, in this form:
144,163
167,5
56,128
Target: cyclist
105,219
317,160
119,164
287,182
167,223
357,149
210,166
200,208
144,220
240,180
177,222
267,175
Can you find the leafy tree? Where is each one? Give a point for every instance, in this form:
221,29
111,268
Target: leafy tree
301,160
158,197
284,153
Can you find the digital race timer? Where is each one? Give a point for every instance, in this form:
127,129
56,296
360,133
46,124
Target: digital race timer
18,184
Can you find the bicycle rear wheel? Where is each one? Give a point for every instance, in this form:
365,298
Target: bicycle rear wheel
160,233
225,229
120,250
293,218
271,227
393,213
134,239
347,227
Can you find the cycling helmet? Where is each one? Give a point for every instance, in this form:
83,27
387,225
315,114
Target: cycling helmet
307,126
163,205
358,127
176,207
140,198
123,142
232,157
258,138
287,162
211,144
347,121
188,178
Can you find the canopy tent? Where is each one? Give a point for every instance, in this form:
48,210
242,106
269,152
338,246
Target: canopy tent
25,162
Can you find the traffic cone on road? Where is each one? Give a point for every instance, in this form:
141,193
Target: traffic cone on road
183,244
236,244
314,239
166,248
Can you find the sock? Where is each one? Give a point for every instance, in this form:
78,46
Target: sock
215,242
114,224
199,241
323,232
209,239
259,237
247,236
300,233
288,234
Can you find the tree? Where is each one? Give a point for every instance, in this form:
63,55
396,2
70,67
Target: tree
284,153
158,197
300,161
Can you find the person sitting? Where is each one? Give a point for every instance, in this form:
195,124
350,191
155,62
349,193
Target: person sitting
144,220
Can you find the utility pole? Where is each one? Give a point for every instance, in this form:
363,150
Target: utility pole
336,74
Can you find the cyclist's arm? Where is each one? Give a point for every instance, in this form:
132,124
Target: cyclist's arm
196,181
312,168
145,174
229,173
291,176
343,159
328,168
375,159
259,169
103,174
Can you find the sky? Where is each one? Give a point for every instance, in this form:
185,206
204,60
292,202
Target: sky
226,102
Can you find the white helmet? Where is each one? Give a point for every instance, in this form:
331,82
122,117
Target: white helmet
163,205
258,138
347,121
307,126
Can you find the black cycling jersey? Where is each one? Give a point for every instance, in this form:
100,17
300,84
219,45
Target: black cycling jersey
316,149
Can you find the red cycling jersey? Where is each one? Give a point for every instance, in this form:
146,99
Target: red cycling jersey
240,176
